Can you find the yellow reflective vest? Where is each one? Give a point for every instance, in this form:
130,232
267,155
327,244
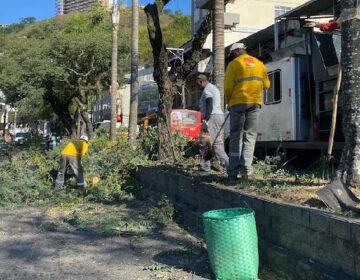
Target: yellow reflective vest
245,79
76,148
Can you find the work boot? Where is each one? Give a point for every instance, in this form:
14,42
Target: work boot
217,167
231,180
85,191
249,176
201,169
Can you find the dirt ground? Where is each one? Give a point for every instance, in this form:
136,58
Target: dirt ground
31,250
27,251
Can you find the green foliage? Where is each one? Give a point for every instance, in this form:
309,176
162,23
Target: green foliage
28,179
134,217
268,167
54,63
113,163
162,213
47,63
176,29
149,143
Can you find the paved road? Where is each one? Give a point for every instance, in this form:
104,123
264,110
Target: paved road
26,252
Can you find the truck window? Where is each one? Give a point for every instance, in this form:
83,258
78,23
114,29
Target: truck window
330,48
184,118
189,118
273,94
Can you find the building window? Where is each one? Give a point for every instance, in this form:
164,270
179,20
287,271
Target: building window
279,10
273,94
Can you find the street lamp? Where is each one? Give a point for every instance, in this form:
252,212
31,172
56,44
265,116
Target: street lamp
115,17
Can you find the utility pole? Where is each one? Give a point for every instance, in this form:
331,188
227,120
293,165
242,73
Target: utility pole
218,47
134,70
114,60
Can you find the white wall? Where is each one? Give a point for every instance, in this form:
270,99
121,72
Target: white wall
254,16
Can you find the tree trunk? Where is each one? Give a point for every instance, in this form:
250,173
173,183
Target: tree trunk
218,47
134,70
82,103
350,160
168,88
114,61
166,92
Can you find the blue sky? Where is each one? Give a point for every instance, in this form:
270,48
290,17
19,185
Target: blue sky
11,11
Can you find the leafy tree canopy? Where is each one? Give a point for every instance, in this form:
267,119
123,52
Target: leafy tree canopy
56,67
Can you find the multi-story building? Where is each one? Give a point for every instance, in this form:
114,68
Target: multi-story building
72,6
242,17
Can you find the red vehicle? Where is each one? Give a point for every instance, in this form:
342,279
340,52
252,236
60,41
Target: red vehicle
186,122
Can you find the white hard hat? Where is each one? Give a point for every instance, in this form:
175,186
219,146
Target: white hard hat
84,137
237,46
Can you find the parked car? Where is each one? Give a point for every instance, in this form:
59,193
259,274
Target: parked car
103,124
20,138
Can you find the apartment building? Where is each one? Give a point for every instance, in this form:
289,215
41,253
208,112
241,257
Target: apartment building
242,17
72,6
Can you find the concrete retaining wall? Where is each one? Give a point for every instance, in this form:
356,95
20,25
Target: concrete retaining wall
304,243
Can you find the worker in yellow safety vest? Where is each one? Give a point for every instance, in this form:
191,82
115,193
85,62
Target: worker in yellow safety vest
245,79
71,155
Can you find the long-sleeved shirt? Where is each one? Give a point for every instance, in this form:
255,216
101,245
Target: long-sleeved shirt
245,79
76,148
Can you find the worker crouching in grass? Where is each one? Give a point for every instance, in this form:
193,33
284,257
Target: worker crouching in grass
71,155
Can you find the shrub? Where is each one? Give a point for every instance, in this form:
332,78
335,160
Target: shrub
28,179
149,143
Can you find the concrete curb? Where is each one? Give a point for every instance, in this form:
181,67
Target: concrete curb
303,242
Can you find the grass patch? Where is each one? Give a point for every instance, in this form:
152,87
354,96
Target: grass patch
129,218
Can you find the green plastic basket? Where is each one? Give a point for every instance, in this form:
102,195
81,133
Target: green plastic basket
232,244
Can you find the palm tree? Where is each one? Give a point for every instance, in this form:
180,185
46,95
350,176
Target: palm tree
134,69
114,61
218,47
350,160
